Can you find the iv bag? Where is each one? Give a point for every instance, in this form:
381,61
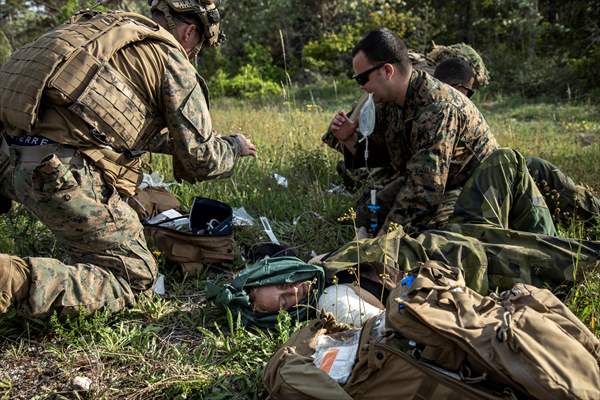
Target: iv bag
366,120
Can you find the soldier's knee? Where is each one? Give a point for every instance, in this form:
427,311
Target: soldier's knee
14,281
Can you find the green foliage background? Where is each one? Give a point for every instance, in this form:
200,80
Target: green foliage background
532,47
288,61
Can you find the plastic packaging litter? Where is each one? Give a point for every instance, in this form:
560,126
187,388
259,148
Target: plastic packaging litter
267,228
154,180
159,288
281,180
336,354
242,218
338,189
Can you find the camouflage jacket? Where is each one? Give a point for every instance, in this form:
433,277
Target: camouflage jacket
433,144
168,83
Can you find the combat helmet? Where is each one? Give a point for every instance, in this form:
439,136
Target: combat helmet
463,51
205,10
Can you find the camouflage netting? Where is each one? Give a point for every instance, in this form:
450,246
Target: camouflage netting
467,53
421,62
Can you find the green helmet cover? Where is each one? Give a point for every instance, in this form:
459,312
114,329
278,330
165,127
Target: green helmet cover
464,51
269,271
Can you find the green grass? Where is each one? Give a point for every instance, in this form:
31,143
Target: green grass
180,347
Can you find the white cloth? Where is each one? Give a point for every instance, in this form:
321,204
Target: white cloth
345,304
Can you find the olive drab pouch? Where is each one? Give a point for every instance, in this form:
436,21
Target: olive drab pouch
524,337
205,236
384,366
151,201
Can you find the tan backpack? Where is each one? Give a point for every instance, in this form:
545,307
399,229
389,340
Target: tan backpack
524,337
385,368
191,252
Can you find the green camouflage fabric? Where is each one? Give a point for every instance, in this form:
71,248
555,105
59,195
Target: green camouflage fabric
170,81
465,52
492,258
434,143
481,237
199,153
565,199
502,193
108,259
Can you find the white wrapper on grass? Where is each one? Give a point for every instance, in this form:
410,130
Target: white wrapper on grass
154,180
242,218
159,286
281,180
343,302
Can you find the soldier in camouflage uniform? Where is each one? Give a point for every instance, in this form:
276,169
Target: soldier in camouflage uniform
466,73
74,127
435,138
379,170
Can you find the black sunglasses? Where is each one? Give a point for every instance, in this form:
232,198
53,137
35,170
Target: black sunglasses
363,77
470,91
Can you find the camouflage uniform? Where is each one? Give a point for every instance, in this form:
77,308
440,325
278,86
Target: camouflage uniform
108,258
433,143
501,193
565,199
492,258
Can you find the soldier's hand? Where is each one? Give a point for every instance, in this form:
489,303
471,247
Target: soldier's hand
342,127
248,148
362,233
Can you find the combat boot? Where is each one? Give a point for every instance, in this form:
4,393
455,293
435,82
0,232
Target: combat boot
14,281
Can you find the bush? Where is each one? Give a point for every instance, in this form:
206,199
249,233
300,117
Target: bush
248,84
330,53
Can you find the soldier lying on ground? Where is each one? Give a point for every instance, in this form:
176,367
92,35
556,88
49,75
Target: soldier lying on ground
491,257
435,140
74,129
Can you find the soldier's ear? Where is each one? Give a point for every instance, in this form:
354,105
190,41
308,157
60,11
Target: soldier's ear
189,32
390,71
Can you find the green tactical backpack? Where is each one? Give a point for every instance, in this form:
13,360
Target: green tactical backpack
269,271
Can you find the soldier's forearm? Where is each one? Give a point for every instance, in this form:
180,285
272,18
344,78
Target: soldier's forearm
351,143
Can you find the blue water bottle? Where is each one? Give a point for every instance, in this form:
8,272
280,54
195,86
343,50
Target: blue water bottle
373,208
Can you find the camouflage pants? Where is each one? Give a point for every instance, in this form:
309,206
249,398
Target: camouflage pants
5,194
501,193
565,199
108,259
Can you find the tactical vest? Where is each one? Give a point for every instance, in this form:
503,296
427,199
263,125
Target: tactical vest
69,67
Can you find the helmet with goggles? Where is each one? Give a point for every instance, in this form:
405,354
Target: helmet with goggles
185,10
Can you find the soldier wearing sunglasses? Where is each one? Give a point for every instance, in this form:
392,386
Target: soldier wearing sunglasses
434,138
